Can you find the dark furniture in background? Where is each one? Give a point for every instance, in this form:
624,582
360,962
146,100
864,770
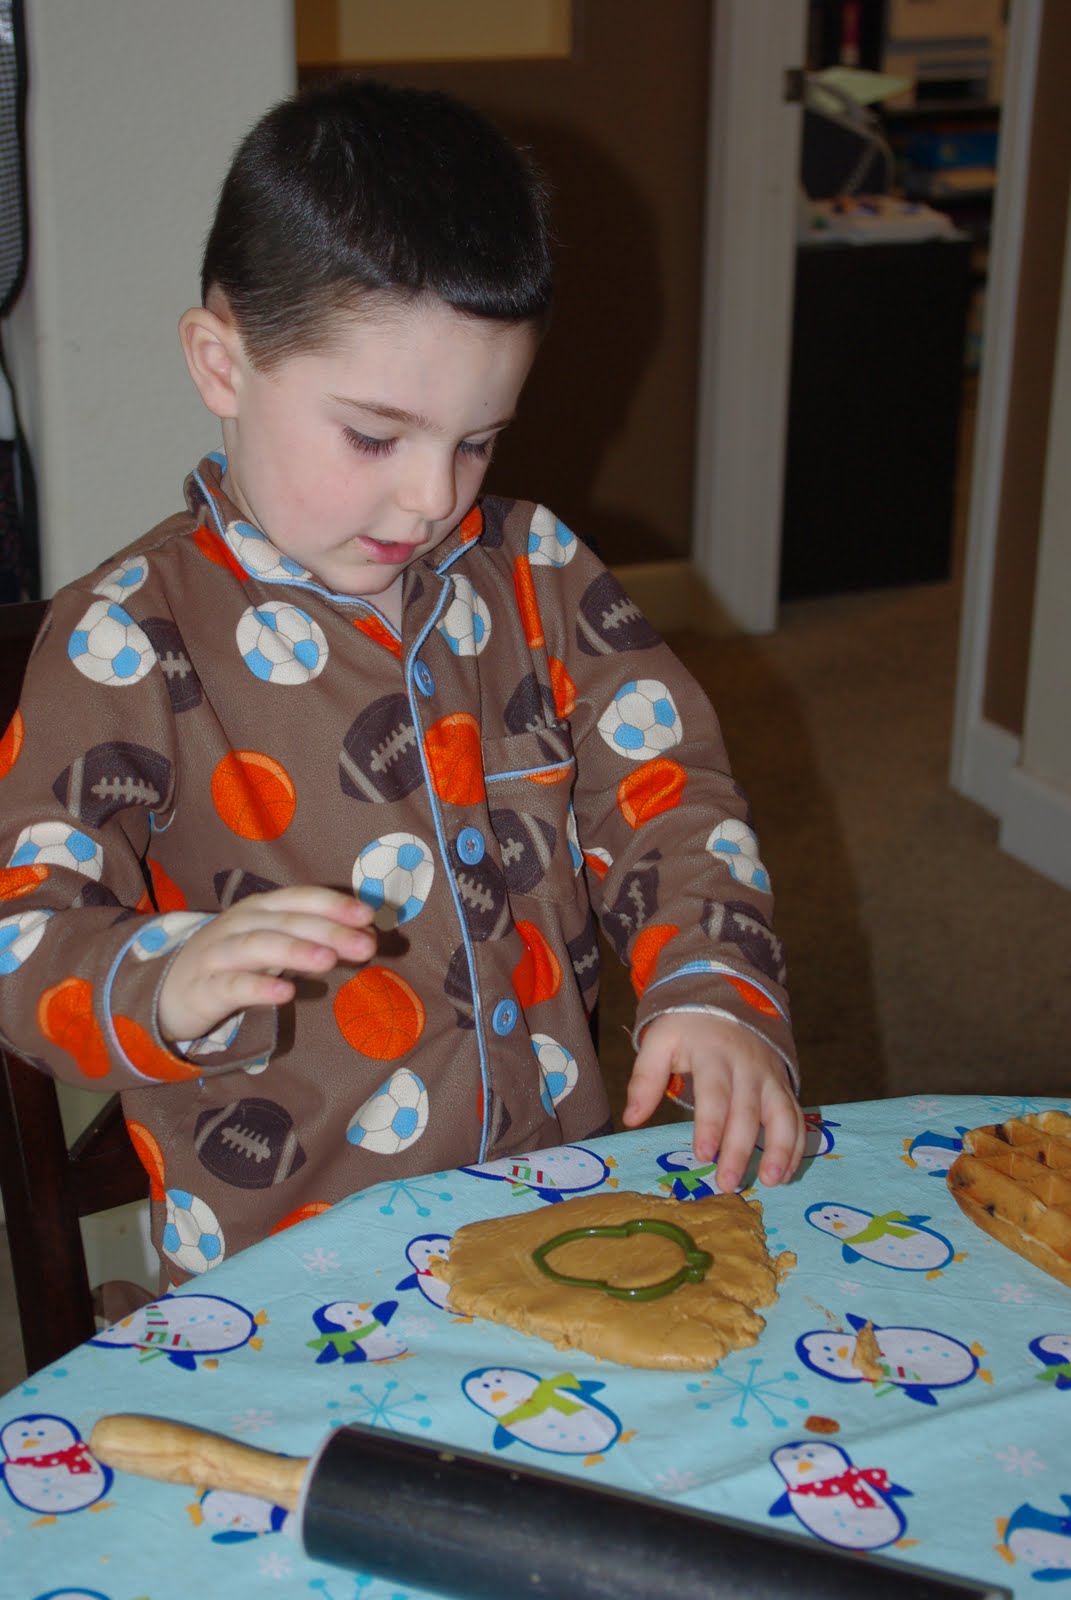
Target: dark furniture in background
874,408
46,1187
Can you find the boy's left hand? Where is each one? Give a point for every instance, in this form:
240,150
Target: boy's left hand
741,1084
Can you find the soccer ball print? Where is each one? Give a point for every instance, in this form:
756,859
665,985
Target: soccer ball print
557,1068
108,646
550,542
259,556
57,844
733,842
280,643
125,579
393,1118
641,720
466,625
192,1237
19,938
394,874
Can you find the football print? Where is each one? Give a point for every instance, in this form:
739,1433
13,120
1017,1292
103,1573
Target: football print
742,926
281,644
394,1117
530,706
380,757
635,904
584,955
641,720
466,624
111,777
250,1143
458,988
183,684
108,646
526,845
482,891
57,844
610,620
237,884
394,874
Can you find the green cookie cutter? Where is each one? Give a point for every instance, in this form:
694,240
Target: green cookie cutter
694,1269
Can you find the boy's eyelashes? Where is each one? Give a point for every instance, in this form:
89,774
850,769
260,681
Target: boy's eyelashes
370,446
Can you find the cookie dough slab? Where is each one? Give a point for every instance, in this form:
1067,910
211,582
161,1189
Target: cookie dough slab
491,1273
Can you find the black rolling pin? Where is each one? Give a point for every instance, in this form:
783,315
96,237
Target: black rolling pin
460,1524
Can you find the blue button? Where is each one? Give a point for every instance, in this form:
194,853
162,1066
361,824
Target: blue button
504,1017
470,845
424,680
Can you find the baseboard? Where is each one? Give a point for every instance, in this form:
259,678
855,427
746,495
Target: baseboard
1036,826
989,756
674,595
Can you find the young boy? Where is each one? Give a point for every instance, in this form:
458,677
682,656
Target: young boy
316,789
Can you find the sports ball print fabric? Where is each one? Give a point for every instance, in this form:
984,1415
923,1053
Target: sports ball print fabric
202,721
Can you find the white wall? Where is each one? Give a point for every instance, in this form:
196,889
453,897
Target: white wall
135,107
1036,815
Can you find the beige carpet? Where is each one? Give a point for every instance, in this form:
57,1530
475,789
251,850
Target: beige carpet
921,958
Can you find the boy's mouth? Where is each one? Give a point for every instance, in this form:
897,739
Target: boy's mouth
392,552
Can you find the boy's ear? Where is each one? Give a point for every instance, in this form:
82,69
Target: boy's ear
213,352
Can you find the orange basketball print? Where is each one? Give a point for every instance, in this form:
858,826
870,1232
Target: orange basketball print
538,974
151,1157
311,1208
452,749
754,997
65,1017
11,743
378,1014
212,546
650,790
527,604
166,894
253,794
646,950
379,633
471,525
147,1057
20,880
563,688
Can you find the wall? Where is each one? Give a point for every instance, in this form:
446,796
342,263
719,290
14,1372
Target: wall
134,109
1041,270
606,433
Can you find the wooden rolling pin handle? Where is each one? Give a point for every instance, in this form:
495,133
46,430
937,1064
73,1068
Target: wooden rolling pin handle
174,1453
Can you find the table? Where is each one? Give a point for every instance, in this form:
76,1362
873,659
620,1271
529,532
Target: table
959,1455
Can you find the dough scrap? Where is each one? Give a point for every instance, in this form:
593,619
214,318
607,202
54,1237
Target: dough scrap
491,1274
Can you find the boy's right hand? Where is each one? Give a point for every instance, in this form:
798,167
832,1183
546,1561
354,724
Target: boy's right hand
237,960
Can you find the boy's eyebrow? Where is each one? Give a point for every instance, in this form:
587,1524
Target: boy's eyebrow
410,419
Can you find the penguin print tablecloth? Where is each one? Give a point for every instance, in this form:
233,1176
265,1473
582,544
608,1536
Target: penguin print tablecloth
956,1457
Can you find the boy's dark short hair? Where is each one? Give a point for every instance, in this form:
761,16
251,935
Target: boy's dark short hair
357,187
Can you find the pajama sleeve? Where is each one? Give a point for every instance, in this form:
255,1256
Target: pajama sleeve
664,831
89,768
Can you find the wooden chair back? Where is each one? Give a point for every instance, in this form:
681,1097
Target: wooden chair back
46,1186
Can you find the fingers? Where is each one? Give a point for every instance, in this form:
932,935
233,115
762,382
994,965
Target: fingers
244,956
784,1132
647,1084
727,1126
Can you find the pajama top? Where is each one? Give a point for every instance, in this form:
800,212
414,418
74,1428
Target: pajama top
203,720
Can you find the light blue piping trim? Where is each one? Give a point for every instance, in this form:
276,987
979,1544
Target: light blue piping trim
433,801
705,968
292,583
113,973
528,772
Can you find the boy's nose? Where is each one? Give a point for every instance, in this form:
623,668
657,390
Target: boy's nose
428,489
